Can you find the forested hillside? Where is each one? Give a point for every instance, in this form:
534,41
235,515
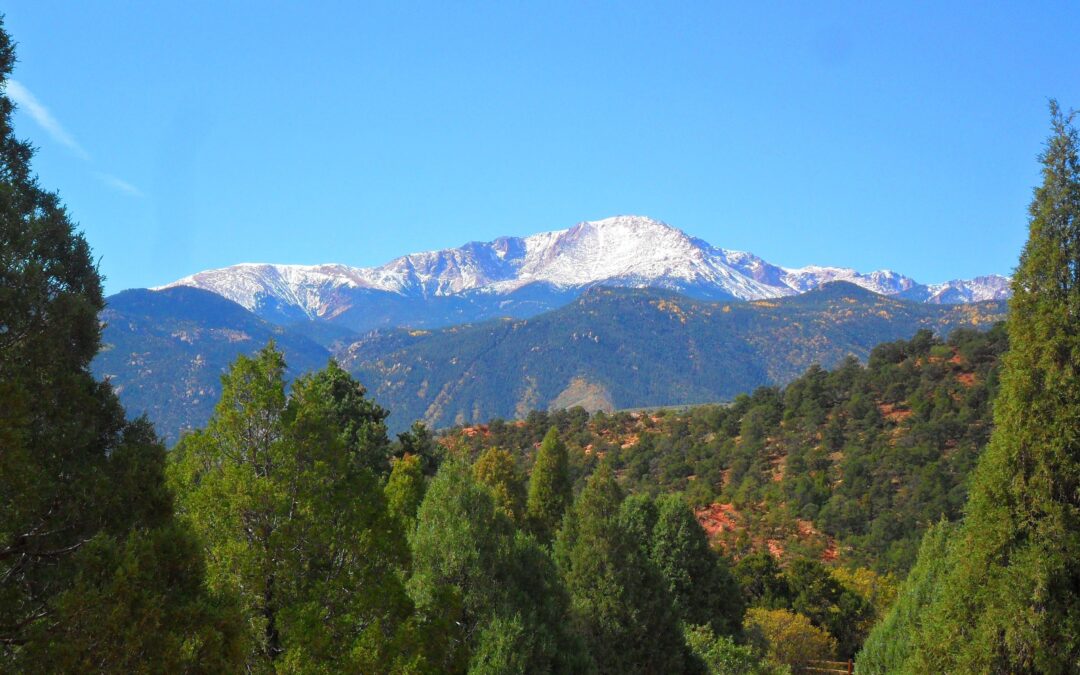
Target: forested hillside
617,348
849,465
165,351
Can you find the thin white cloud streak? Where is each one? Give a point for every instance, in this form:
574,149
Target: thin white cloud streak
28,102
119,184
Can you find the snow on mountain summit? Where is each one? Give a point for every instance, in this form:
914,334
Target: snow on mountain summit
633,251
884,282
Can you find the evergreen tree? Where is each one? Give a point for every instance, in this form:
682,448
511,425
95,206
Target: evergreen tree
92,567
1011,600
294,521
362,421
763,581
819,596
637,515
496,469
511,614
138,605
699,580
405,490
620,602
889,647
417,441
550,486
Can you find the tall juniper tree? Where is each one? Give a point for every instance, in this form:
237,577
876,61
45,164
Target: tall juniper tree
620,602
94,572
550,486
1010,601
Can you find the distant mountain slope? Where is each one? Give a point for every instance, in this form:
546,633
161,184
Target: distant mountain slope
524,276
165,351
618,348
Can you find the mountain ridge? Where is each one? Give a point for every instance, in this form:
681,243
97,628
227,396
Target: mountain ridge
630,348
164,351
487,279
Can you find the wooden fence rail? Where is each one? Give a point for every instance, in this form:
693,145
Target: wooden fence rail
847,667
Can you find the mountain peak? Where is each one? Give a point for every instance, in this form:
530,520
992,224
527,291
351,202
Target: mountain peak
626,250
628,223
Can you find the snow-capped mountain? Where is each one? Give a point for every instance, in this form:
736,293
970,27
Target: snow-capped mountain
992,287
522,276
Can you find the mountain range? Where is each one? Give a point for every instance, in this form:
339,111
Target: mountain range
521,277
617,348
616,313
610,348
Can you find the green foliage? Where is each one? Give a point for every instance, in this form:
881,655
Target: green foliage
92,566
550,489
890,646
763,581
1010,601
405,490
620,602
809,589
418,442
879,590
512,608
817,595
294,521
860,459
722,656
138,605
361,420
497,470
699,580
787,638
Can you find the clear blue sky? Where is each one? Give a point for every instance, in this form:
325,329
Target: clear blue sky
189,135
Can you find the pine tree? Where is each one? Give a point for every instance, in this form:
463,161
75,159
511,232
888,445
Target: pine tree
89,553
550,487
1011,602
